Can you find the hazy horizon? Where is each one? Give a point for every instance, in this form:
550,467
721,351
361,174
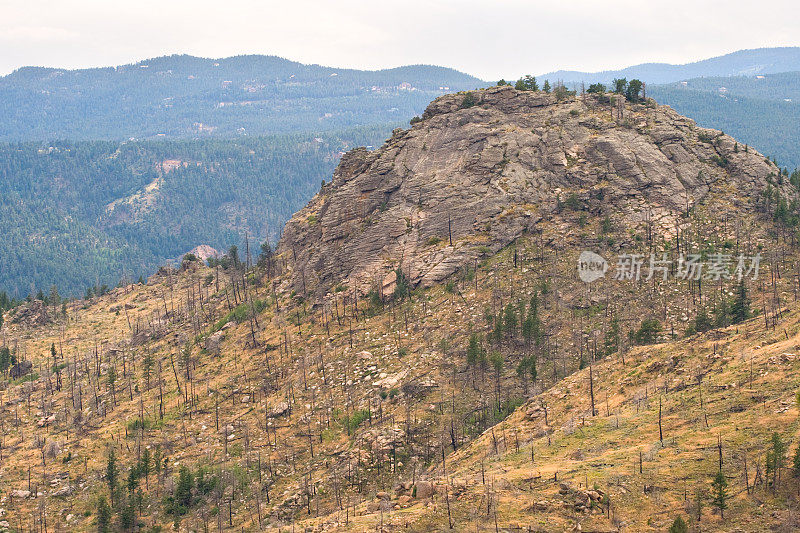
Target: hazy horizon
509,39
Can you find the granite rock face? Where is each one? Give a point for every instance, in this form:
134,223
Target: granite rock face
468,179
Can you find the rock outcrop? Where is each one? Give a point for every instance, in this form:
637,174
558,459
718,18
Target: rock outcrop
475,173
32,314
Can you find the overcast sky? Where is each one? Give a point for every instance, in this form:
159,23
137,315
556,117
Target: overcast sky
489,38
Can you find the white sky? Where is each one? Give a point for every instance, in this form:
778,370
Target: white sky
490,38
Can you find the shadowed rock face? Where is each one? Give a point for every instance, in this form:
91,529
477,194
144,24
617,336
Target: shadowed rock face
434,198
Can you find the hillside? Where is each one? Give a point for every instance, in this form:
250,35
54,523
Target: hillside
188,97
760,111
296,392
666,418
85,214
739,63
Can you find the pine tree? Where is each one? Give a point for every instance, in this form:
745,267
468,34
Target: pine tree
148,363
527,83
183,491
6,359
127,517
722,313
546,86
596,88
510,321
473,350
497,332
648,331
679,526
775,458
611,342
103,516
702,322
144,464
633,90
719,493
112,474
497,363
740,308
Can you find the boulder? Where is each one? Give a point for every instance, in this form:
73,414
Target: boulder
63,491
423,489
32,314
214,342
278,411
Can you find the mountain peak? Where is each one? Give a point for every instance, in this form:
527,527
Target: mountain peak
482,168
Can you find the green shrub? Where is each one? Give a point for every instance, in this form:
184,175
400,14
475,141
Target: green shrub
596,88
469,100
648,331
351,422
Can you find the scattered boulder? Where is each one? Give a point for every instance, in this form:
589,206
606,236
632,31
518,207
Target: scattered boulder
534,412
389,284
391,381
214,342
44,421
279,410
66,490
204,252
423,490
20,493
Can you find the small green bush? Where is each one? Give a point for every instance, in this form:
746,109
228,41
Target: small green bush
469,100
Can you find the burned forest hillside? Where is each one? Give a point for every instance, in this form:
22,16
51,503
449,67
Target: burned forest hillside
421,351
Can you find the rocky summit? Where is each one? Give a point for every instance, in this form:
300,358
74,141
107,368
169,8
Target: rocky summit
479,169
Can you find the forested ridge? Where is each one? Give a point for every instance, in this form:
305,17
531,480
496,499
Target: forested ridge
247,139
184,96
79,214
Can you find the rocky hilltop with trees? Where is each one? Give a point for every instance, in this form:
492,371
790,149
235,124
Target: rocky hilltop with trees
429,349
480,169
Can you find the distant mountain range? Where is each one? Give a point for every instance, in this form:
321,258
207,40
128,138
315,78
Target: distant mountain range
741,63
185,96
